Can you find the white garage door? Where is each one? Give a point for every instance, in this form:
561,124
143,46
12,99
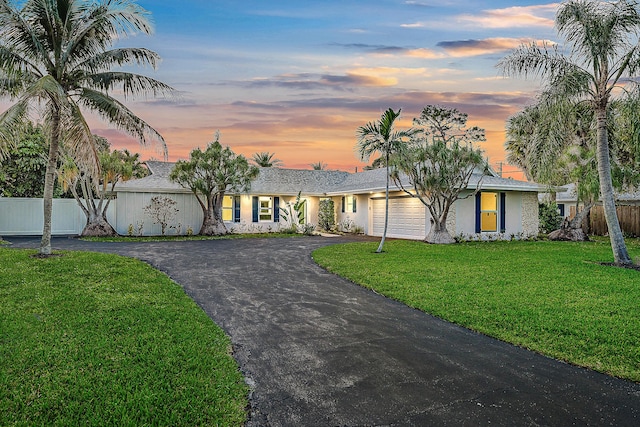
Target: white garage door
407,218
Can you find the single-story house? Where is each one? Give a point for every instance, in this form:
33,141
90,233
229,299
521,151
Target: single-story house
504,208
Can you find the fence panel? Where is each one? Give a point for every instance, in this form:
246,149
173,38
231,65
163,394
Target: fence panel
25,216
628,216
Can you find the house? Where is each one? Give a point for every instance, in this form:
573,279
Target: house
503,207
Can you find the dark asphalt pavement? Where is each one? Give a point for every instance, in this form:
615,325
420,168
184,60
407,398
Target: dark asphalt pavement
318,350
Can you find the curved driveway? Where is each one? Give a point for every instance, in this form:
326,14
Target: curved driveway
318,350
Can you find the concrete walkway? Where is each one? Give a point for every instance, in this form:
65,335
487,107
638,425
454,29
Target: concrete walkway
318,350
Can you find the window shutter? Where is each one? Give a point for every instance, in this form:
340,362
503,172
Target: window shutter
354,204
255,208
344,202
478,213
236,208
276,209
503,212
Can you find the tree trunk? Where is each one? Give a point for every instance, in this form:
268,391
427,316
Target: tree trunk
213,225
98,226
49,182
438,234
577,220
572,230
386,211
620,254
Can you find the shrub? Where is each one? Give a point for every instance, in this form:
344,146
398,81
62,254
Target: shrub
549,217
326,215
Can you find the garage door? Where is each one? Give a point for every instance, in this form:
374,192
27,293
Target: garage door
407,218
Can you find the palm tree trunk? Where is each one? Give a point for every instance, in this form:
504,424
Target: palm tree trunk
49,182
386,210
620,254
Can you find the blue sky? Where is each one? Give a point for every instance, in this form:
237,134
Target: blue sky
297,78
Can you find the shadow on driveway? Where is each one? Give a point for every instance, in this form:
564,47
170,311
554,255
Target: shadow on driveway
318,350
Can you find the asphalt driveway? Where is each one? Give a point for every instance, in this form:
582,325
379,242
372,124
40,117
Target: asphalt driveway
318,350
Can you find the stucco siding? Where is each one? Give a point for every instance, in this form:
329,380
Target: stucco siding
530,220
358,218
514,214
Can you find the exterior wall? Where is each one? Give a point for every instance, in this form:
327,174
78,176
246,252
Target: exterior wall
521,218
25,216
358,218
530,221
130,211
465,217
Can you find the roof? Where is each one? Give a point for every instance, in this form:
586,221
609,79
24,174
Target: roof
310,182
567,193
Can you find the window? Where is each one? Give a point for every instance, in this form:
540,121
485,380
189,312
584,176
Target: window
489,211
265,209
349,204
227,208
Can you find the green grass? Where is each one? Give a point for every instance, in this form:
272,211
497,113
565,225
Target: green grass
97,340
551,297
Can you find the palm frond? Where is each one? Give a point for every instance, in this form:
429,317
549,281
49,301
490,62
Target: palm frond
11,122
105,61
538,61
131,84
78,140
116,113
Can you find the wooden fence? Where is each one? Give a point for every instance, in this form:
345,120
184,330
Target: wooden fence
595,223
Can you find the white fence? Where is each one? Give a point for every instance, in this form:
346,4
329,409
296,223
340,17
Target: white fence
25,217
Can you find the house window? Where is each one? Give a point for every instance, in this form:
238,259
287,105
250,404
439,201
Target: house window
349,204
227,208
488,211
265,209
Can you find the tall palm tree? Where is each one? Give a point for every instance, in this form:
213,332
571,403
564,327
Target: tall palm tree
265,159
380,137
603,37
56,58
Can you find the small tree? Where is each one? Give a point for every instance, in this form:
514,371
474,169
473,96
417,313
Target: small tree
439,163
23,170
326,215
293,213
162,210
91,193
210,174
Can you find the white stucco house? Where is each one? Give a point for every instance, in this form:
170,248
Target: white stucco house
503,208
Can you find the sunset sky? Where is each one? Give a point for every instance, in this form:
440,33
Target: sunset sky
297,78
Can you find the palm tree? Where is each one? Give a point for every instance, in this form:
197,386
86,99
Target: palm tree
380,137
318,166
265,159
57,57
603,37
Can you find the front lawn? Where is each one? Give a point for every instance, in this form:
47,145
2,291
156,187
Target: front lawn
97,340
551,297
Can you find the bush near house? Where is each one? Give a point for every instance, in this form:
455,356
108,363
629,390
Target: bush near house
549,217
96,340
555,298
